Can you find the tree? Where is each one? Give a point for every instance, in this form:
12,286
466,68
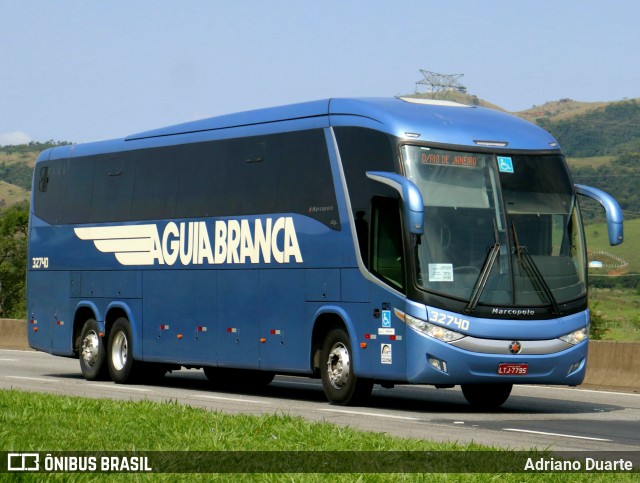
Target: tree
13,261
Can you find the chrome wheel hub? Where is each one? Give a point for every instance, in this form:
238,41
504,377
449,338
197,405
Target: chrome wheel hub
90,348
338,365
119,351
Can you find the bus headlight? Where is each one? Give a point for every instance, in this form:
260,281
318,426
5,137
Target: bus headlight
576,336
435,331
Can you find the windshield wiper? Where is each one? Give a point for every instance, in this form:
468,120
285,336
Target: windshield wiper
482,279
531,269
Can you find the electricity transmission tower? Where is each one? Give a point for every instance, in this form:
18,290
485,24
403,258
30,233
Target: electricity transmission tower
440,85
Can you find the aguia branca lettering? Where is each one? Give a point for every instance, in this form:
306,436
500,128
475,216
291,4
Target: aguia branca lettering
234,241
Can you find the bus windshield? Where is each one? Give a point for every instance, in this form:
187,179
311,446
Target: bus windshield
499,230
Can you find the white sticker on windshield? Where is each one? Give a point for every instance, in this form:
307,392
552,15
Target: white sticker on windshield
440,272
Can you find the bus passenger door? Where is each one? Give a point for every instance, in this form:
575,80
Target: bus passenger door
387,262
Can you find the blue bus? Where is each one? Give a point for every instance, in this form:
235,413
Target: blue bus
360,241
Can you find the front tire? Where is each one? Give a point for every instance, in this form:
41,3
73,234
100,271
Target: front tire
486,396
92,353
120,352
340,383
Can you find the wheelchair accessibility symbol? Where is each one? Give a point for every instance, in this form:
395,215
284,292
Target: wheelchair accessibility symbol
386,318
505,164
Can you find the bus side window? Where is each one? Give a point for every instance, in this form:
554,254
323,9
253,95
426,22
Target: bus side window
112,190
387,259
305,182
363,150
49,186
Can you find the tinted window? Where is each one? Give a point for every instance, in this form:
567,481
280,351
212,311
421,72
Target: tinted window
305,183
387,258
112,188
281,173
363,150
48,190
153,197
76,199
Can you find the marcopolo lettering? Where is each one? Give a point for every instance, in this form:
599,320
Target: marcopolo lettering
192,243
516,312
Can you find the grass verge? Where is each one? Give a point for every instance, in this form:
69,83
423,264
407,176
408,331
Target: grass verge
619,313
51,423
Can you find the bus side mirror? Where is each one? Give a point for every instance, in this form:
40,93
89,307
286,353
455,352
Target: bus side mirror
411,197
611,208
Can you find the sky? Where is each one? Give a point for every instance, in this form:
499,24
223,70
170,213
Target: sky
81,71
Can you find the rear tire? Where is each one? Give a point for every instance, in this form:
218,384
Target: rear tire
486,396
340,383
92,353
122,367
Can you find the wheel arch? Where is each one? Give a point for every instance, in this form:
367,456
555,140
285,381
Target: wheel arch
116,310
325,320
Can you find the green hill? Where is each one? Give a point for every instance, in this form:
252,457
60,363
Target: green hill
602,143
563,109
611,129
16,170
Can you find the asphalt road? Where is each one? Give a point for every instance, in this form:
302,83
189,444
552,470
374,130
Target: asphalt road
544,417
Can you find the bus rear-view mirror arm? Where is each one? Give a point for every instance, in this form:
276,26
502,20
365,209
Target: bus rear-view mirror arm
411,197
611,208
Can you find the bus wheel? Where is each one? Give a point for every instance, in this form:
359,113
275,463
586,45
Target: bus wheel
486,396
93,356
340,384
120,352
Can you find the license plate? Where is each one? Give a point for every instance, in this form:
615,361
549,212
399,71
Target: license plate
513,369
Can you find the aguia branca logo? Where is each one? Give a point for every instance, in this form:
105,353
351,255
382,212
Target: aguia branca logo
189,243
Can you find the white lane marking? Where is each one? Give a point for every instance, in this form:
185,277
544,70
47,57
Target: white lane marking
9,360
26,351
576,389
377,415
233,399
122,388
25,378
555,434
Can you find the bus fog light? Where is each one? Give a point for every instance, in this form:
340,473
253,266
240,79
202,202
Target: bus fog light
576,336
575,366
437,364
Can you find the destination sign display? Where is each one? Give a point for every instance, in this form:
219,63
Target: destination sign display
449,159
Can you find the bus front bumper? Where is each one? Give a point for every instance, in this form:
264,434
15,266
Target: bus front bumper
436,362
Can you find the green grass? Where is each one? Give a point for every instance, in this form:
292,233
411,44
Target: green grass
598,240
51,423
618,308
